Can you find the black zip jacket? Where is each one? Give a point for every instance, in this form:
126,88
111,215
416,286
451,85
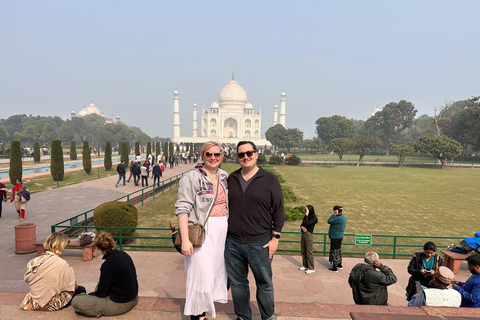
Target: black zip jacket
254,214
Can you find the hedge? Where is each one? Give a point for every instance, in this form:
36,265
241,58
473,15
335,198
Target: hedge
57,168
124,152
116,214
36,152
107,162
73,151
15,171
87,160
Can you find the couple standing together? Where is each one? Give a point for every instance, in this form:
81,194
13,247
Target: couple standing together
245,218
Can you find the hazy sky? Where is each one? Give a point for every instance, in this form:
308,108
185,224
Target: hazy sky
330,57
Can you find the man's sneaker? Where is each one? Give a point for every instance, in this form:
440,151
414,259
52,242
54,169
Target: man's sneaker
302,268
310,271
116,185
340,267
333,269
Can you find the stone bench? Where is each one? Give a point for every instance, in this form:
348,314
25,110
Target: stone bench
454,259
89,250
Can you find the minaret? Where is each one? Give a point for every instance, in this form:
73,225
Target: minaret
282,109
275,115
194,120
176,115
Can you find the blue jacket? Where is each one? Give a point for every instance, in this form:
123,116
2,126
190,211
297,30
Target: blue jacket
473,242
470,292
337,226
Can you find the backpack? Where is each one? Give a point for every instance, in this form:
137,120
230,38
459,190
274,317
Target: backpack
25,195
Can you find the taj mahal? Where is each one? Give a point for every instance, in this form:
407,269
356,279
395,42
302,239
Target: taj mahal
229,120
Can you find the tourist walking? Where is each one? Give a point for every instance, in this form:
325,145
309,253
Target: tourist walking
50,278
156,173
306,244
117,290
136,173
202,200
144,174
17,199
131,170
422,267
3,196
121,173
254,227
337,222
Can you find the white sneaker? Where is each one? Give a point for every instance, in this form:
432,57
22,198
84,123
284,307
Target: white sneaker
302,268
310,271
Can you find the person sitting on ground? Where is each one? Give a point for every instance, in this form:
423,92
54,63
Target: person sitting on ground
470,290
422,267
51,279
369,286
117,289
438,295
467,245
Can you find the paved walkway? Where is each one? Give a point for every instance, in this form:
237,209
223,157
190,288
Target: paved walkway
161,275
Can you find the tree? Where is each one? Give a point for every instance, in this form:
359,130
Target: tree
465,125
157,149
170,149
336,126
315,144
73,151
36,152
294,138
340,146
143,138
137,148
107,162
402,151
363,144
57,168
124,151
391,121
440,147
15,171
165,149
149,148
421,126
86,159
276,134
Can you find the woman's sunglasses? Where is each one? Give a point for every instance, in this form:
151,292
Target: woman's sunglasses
249,154
210,154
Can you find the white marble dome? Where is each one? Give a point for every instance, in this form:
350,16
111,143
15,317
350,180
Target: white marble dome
232,96
91,109
248,105
214,105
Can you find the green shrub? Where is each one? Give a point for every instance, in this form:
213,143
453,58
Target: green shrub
15,171
116,214
107,162
275,160
149,148
165,150
261,159
294,213
137,148
87,160
57,168
36,152
268,152
157,149
279,176
124,151
288,195
170,149
73,151
294,161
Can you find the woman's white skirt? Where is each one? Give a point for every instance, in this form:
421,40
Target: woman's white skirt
205,269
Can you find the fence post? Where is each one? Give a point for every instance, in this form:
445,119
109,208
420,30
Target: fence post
153,191
128,198
120,240
394,247
57,182
163,187
324,245
142,196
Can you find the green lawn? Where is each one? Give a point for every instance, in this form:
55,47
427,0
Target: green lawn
376,200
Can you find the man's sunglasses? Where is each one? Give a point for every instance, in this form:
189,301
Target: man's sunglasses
249,154
210,154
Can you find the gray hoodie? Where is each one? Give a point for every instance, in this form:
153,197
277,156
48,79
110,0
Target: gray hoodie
196,194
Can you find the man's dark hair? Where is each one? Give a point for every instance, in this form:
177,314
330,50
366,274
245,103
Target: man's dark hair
474,259
241,143
430,246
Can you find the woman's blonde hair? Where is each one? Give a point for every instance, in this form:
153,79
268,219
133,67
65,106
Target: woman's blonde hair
56,243
208,145
104,242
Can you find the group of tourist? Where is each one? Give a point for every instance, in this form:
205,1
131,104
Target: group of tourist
241,216
20,197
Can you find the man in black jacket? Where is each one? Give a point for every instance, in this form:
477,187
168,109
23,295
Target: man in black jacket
121,173
369,285
256,218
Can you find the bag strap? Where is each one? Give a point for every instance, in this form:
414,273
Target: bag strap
211,208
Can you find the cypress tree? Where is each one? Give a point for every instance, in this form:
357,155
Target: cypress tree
107,162
73,151
57,168
124,151
137,148
15,171
165,150
170,148
157,149
149,148
36,152
87,160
